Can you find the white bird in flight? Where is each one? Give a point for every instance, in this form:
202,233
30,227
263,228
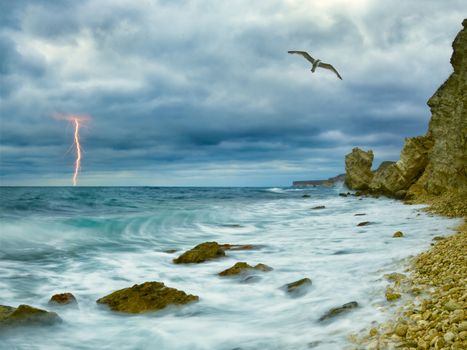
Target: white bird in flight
316,63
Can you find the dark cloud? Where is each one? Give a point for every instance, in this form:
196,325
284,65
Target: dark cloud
204,93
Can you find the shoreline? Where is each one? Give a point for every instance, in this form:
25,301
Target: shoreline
434,315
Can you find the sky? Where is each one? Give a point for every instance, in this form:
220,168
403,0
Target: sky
204,93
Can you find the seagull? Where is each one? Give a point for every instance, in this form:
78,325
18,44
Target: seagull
316,63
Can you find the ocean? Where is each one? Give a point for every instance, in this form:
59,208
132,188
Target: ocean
92,241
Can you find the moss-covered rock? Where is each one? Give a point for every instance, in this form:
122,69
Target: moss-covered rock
298,288
398,234
200,253
392,295
242,268
339,310
25,315
63,299
145,297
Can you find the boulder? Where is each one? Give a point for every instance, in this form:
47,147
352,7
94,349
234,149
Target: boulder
358,169
63,299
398,234
200,253
243,267
391,295
339,310
25,315
146,297
298,288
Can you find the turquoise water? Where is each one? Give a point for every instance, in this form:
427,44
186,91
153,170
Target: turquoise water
92,241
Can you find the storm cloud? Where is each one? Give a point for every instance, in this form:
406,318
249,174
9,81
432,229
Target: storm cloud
204,92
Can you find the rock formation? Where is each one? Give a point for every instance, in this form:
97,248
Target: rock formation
431,168
145,297
243,267
358,169
25,315
200,253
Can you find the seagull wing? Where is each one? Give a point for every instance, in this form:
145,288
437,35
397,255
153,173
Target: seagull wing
330,67
304,54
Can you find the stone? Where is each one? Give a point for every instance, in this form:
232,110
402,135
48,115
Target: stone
25,315
451,305
243,267
146,297
318,207
391,295
339,310
298,288
395,277
359,214
364,223
63,299
306,195
398,234
200,253
358,169
343,194
438,238
401,329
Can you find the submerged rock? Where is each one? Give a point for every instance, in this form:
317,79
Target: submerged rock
319,207
359,214
200,253
63,299
363,223
392,295
25,315
243,267
298,288
145,297
238,246
339,310
306,195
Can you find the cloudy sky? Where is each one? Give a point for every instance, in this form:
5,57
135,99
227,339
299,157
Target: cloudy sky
204,93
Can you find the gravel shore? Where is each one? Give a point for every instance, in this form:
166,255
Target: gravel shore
435,317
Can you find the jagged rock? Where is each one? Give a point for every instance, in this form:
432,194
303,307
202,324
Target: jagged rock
200,253
399,176
431,168
339,310
243,267
25,315
358,169
145,297
318,207
398,234
63,299
298,288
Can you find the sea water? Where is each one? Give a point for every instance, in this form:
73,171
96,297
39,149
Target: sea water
93,241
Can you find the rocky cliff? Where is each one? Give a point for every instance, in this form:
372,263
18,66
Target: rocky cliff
431,168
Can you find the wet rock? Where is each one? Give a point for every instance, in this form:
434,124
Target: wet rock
298,288
343,194
358,169
25,315
359,214
318,207
364,223
451,305
200,253
339,310
306,195
395,277
243,267
398,234
391,295
63,299
145,297
438,238
170,251
238,246
401,329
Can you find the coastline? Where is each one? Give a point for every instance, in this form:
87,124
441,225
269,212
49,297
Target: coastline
435,313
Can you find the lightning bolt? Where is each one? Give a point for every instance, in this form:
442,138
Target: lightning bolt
77,121
78,151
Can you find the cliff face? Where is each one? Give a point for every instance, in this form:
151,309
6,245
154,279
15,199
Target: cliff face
432,168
